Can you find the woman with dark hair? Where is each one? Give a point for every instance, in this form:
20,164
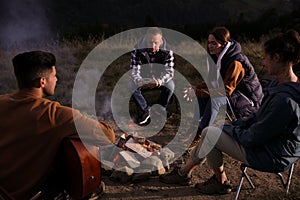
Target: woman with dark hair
231,69
269,140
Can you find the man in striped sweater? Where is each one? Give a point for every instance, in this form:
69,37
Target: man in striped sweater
151,67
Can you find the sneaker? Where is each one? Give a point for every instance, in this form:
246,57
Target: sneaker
144,117
213,186
175,178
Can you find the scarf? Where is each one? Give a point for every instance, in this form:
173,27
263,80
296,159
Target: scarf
215,82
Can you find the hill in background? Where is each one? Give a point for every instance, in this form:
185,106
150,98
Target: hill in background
37,20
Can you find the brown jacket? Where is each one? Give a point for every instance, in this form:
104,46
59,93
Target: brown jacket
233,76
31,131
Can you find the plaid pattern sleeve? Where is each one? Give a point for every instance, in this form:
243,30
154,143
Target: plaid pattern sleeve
169,64
135,65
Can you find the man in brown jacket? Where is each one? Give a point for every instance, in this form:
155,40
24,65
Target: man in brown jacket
32,127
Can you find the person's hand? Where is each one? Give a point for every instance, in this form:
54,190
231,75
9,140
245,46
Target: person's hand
154,83
140,83
189,93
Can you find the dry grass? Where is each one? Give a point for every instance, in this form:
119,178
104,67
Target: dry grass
70,55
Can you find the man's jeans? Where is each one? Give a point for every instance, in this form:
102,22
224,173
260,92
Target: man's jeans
166,92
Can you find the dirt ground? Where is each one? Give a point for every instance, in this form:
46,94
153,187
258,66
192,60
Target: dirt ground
268,186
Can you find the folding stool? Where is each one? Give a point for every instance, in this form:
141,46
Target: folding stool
285,183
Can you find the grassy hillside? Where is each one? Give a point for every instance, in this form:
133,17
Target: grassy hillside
70,55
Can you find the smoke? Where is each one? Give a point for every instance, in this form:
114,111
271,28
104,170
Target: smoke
24,23
103,106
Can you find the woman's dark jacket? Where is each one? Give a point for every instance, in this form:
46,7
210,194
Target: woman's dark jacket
271,137
247,96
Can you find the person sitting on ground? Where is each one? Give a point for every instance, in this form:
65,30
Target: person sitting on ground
32,128
242,86
269,140
151,67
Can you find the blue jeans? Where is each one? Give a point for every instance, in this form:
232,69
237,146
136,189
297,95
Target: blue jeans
166,92
209,109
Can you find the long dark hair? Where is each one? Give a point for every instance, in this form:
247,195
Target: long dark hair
286,45
222,36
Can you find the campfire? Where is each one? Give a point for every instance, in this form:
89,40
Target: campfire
133,156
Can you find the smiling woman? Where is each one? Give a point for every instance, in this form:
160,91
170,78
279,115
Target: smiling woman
228,68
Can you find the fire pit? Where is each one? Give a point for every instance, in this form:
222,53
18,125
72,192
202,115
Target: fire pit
135,158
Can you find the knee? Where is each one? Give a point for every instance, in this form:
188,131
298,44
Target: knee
218,101
170,85
132,87
204,132
212,134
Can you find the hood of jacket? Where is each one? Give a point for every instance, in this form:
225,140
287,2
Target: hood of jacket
289,88
233,51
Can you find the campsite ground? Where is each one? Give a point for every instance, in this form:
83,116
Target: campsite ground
268,185
70,56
